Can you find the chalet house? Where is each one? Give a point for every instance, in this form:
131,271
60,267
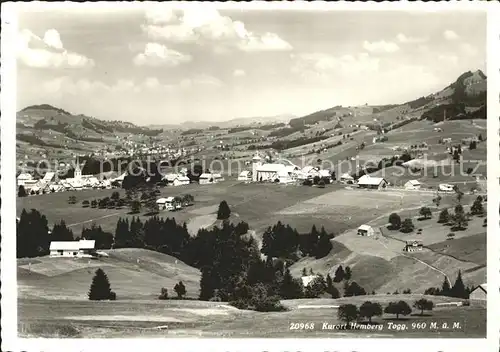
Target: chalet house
206,179
413,185
181,181
72,249
413,246
165,203
346,179
478,295
365,230
245,176
369,182
22,178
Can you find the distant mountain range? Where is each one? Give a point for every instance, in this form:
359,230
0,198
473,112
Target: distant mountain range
466,97
237,122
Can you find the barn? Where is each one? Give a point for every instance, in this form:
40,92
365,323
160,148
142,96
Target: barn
478,296
82,248
369,182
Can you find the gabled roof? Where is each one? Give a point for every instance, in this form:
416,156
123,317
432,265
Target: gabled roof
87,244
64,245
245,173
24,176
270,167
206,176
72,245
368,180
182,178
414,182
347,176
365,228
481,287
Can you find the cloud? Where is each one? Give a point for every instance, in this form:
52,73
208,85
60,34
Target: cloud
48,52
468,49
239,73
450,35
201,80
407,40
159,55
324,66
448,59
207,25
380,46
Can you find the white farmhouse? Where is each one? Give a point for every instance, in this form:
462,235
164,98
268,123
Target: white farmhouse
413,185
367,181
165,203
80,249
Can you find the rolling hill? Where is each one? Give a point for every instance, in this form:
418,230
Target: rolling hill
133,274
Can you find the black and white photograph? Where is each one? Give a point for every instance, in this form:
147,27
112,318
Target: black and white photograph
212,171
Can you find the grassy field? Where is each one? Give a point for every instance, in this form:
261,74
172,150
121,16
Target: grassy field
212,319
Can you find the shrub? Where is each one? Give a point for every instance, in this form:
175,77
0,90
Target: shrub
163,294
407,226
321,184
395,221
180,289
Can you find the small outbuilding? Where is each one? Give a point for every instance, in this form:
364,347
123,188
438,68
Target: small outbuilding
245,176
478,296
413,184
366,230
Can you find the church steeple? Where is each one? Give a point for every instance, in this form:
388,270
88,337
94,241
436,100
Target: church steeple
78,170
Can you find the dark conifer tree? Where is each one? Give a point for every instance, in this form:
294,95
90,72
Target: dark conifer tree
100,289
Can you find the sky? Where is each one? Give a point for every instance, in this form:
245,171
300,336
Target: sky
160,65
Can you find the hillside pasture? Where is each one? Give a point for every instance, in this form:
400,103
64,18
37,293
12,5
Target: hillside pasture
133,273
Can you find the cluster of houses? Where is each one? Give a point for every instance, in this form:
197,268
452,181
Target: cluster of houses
413,245
51,182
181,178
281,172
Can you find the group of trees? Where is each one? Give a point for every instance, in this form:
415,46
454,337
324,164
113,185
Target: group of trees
179,289
405,226
349,313
458,220
458,290
283,241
